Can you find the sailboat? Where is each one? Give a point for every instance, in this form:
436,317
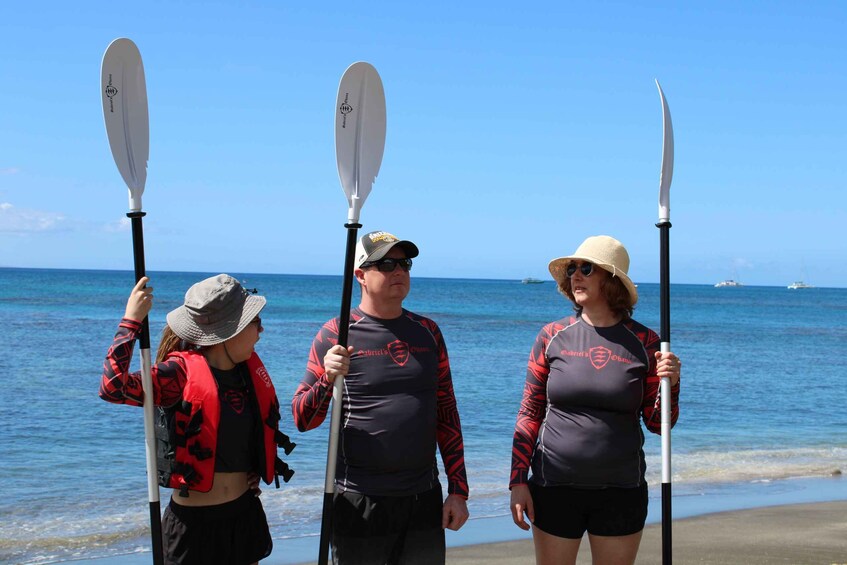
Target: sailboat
729,282
797,285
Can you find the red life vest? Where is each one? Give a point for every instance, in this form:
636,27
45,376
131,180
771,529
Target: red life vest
187,433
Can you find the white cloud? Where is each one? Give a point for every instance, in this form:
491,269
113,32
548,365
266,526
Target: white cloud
742,263
10,171
122,225
22,220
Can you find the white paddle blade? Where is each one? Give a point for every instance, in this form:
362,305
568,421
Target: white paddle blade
124,95
667,160
359,133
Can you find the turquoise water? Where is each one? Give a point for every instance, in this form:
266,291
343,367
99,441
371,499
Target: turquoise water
762,399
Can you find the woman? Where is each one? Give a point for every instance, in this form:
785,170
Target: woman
219,413
590,378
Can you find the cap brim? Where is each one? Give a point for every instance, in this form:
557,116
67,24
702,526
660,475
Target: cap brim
410,248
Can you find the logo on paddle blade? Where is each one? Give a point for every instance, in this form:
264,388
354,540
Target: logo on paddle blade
599,356
399,351
345,109
111,91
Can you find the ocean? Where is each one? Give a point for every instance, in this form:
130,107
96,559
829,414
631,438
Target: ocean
762,404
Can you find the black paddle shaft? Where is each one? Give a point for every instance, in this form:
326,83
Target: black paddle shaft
343,331
347,287
665,280
665,306
144,342
138,257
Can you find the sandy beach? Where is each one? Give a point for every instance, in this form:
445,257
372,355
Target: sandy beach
806,534
795,534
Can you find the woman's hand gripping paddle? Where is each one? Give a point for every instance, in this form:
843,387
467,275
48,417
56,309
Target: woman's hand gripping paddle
665,302
359,145
124,95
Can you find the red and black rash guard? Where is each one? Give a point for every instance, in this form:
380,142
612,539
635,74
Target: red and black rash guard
586,388
398,403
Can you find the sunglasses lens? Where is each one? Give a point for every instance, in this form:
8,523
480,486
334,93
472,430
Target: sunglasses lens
388,265
585,268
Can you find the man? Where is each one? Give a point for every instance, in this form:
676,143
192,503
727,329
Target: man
398,403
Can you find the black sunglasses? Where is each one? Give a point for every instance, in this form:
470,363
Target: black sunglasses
585,268
388,265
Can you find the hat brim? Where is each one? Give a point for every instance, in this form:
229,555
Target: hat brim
410,248
184,326
558,268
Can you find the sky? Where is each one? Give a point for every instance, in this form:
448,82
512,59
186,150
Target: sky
513,133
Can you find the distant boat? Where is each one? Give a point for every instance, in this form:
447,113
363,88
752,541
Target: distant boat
530,280
797,285
730,282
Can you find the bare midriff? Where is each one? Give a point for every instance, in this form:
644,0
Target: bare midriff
226,487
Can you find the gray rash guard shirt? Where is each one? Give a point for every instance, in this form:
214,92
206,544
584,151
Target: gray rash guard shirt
586,390
398,404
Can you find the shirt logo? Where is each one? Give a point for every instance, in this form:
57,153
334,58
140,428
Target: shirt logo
599,356
399,351
235,398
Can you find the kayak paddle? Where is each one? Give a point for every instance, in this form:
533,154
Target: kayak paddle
359,145
124,96
664,226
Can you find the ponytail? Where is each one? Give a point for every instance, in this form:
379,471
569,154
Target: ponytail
170,343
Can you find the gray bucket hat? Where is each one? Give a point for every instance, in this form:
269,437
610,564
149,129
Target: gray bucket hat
215,309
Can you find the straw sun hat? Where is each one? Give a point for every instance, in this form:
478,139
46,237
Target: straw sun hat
603,251
215,309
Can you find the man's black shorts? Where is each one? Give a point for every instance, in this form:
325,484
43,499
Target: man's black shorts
568,512
387,529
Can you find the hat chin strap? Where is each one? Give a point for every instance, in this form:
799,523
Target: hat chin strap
228,356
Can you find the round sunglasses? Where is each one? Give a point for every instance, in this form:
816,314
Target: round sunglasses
585,268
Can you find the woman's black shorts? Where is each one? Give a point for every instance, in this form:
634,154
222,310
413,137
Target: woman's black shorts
232,533
568,512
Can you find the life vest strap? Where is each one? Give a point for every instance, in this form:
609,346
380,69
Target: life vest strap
199,452
284,442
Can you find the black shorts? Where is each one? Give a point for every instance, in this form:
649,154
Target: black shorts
390,530
568,512
233,533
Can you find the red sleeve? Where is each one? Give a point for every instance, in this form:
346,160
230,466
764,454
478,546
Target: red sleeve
311,400
533,406
651,407
119,386
449,430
